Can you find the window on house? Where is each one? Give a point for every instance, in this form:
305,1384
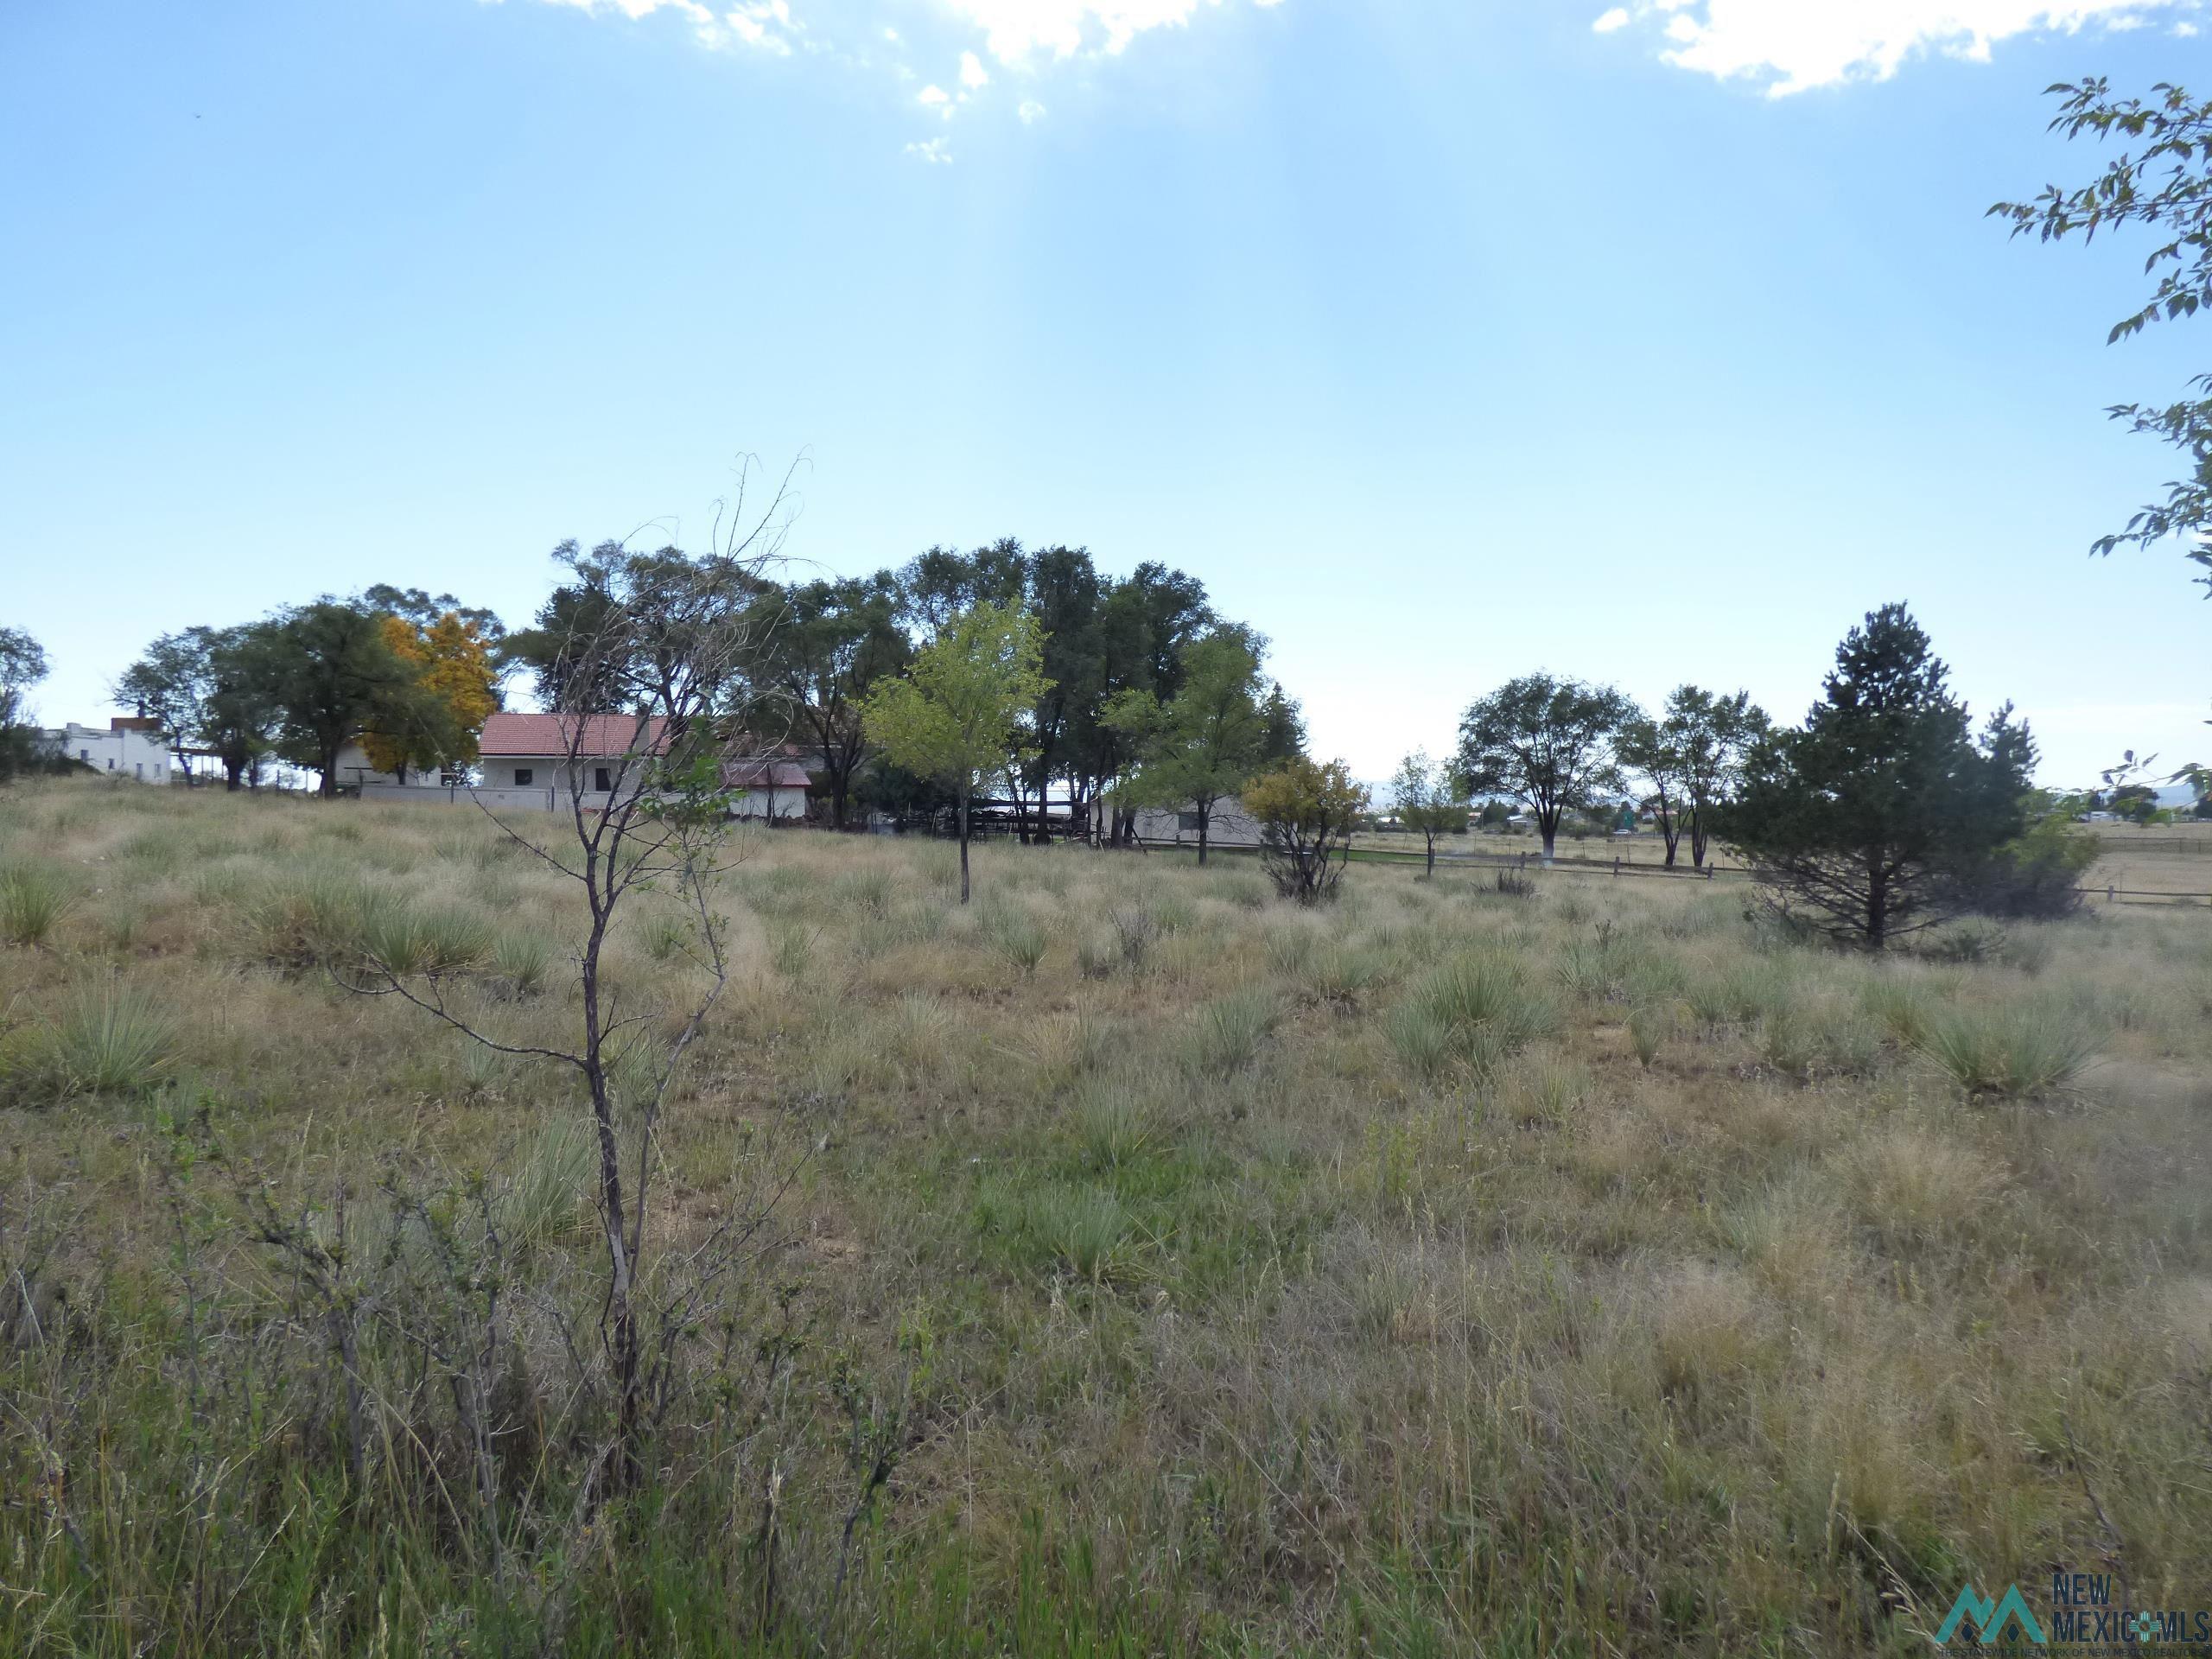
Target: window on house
602,780
523,775
1187,821
84,755
139,767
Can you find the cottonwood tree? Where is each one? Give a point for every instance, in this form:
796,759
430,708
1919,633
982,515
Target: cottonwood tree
1203,746
1647,749
2165,186
1428,800
663,828
172,682
1546,741
453,667
23,665
825,645
1306,811
952,715
1870,821
332,674
1693,757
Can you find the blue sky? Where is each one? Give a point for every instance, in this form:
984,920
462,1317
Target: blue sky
1444,341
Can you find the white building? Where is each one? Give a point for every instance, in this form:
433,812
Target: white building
354,768
130,747
766,788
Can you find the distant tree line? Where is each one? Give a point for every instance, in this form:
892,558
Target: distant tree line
918,689
1884,813
411,676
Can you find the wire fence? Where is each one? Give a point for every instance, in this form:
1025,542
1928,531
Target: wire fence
1532,864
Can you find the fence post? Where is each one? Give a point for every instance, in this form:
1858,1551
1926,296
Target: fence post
2108,892
1617,863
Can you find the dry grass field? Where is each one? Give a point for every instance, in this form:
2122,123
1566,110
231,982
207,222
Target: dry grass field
1153,1268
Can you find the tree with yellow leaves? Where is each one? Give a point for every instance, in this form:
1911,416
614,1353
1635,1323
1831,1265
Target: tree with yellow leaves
452,663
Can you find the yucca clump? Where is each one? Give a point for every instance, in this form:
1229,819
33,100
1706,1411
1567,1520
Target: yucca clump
1478,1012
1015,937
117,1041
2011,1052
409,940
1229,1030
32,901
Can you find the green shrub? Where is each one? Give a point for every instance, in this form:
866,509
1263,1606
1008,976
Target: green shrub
790,947
1903,1004
1335,972
312,916
1820,1040
32,902
542,1201
409,941
1229,1030
1478,1012
1113,1124
1649,1026
519,961
2011,1052
117,1041
1087,1230
1015,937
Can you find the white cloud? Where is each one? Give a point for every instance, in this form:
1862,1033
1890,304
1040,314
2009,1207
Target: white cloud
2187,31
765,24
1793,45
931,152
933,96
972,72
1616,18
1015,31
1031,111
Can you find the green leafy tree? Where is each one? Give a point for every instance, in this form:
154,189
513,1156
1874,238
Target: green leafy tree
1306,812
2165,186
952,714
240,716
1868,823
1202,746
942,584
171,683
824,646
1428,800
1067,596
1546,741
1145,624
1708,734
1647,748
23,665
332,674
